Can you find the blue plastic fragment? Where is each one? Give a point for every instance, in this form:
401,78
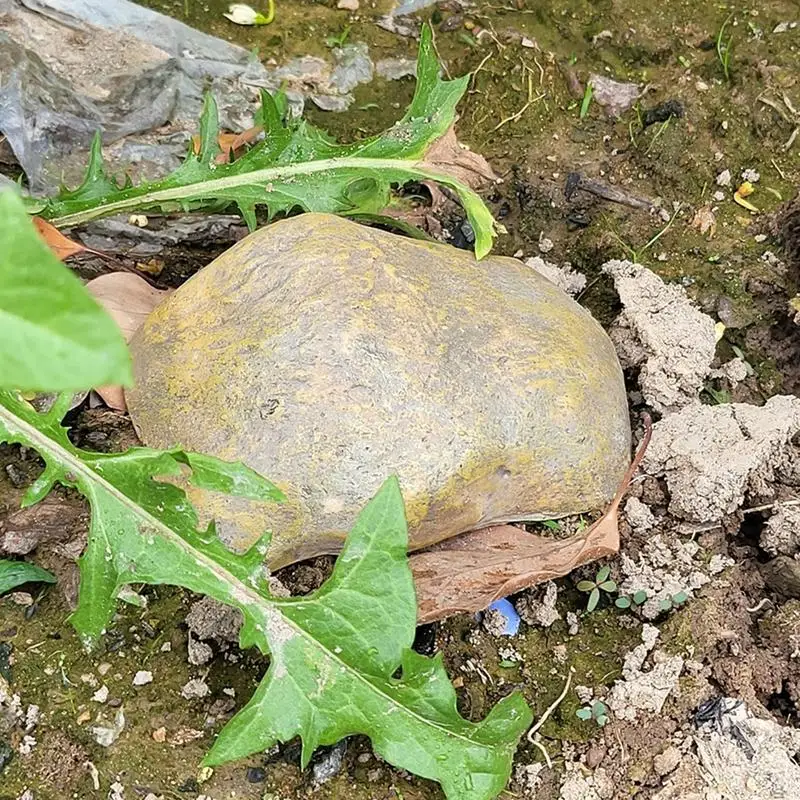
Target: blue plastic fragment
509,614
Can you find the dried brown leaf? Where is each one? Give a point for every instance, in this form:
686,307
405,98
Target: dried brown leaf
449,156
705,221
56,241
230,143
128,299
469,572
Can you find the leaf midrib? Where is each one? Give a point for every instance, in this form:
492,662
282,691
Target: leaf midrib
43,442
215,185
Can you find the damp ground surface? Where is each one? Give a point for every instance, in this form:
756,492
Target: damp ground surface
527,113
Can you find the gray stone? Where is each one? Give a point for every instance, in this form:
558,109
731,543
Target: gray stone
328,355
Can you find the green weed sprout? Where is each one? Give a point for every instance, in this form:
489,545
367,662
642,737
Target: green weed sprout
597,711
636,599
600,583
724,50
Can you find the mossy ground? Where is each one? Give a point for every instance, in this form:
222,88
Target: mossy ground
670,48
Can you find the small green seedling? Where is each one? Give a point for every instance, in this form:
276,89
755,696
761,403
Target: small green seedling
338,39
724,50
676,601
597,711
600,583
587,99
636,599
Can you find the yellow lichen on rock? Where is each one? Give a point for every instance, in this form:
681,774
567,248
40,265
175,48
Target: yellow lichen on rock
328,355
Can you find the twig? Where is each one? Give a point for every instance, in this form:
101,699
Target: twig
541,71
773,104
770,506
552,707
780,171
790,140
543,749
479,68
515,117
758,607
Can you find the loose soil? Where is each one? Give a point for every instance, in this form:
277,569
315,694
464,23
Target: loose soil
738,634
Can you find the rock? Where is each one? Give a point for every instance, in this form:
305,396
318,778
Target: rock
615,96
710,454
661,331
724,178
348,5
342,354
142,678
195,689
328,762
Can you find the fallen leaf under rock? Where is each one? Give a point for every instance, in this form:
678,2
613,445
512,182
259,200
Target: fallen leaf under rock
449,156
128,299
469,572
61,246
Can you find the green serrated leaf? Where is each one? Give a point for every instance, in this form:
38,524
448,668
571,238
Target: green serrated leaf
594,599
15,573
297,166
53,335
334,653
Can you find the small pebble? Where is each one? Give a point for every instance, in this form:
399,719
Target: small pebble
142,677
195,689
101,695
256,775
595,756
348,5
159,735
724,178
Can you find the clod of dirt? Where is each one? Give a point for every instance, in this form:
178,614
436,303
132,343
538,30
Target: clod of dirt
538,606
781,534
782,575
199,652
710,454
664,568
566,278
640,691
638,515
661,331
746,757
210,619
579,786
